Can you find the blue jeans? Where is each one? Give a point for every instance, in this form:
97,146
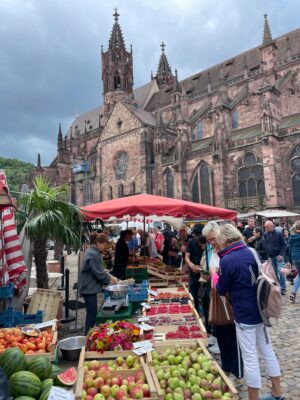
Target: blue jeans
277,265
91,311
297,280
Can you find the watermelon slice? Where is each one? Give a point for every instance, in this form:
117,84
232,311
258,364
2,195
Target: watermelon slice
68,377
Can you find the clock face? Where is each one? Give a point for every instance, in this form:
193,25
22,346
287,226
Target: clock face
121,164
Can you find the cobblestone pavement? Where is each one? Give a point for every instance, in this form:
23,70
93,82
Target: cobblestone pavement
285,335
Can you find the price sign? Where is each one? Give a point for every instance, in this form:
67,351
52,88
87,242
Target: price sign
152,292
57,393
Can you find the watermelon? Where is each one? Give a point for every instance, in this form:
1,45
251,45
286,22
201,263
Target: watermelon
12,360
24,398
24,383
45,393
68,377
46,384
55,371
40,366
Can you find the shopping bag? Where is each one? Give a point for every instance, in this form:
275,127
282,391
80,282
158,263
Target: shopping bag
220,311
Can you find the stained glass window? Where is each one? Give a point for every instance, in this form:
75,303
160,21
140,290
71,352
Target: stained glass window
250,176
295,174
235,119
170,184
197,131
201,185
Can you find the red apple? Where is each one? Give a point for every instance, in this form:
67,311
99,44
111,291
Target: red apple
140,376
146,390
116,381
89,381
92,373
131,378
120,393
136,393
131,385
124,382
94,365
89,397
104,373
92,391
98,383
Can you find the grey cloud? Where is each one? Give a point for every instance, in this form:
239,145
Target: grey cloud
50,54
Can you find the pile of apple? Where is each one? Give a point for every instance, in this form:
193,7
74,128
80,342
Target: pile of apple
101,382
187,373
130,362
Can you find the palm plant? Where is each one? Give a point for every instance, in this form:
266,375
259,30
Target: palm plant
49,216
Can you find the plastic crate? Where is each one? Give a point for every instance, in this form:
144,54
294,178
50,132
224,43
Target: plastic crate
7,318
6,291
25,319
138,292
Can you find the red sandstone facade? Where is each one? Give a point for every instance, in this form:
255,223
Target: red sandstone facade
228,136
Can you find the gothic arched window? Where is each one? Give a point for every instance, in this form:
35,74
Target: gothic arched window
132,188
250,176
121,190
197,132
87,192
295,174
235,119
170,184
201,185
117,82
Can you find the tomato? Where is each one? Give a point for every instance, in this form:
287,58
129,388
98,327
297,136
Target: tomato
31,346
24,348
30,352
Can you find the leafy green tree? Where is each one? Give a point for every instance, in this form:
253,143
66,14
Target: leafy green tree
49,216
17,173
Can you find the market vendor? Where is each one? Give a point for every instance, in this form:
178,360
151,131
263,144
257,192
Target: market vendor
92,277
122,254
194,251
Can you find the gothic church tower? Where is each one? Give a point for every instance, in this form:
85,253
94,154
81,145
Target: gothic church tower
117,69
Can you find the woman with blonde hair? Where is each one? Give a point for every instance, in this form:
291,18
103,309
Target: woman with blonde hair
238,276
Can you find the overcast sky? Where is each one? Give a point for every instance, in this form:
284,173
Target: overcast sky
50,54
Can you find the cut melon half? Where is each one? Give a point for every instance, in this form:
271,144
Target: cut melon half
68,377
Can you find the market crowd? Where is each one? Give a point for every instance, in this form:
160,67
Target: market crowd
221,260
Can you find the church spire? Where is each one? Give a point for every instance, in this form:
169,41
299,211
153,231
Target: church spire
117,68
116,41
267,37
164,72
39,161
59,136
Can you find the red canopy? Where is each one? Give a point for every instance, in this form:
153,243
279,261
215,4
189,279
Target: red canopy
147,204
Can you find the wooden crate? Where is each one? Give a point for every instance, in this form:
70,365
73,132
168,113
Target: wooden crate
188,343
46,300
51,355
96,356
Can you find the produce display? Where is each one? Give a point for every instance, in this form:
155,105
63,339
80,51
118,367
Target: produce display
170,309
187,373
118,335
33,379
14,337
182,332
166,320
170,295
100,383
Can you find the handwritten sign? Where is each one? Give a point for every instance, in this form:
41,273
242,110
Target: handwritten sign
57,393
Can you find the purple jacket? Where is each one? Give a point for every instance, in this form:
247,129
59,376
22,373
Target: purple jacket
238,274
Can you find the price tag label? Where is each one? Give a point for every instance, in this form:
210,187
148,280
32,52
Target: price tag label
143,343
143,319
57,393
146,327
146,306
152,292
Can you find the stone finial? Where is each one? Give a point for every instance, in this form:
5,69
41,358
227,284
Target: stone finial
59,136
39,161
116,14
267,37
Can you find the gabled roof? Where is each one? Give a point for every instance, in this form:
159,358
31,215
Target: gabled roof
232,69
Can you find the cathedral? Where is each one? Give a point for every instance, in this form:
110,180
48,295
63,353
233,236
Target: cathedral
228,136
